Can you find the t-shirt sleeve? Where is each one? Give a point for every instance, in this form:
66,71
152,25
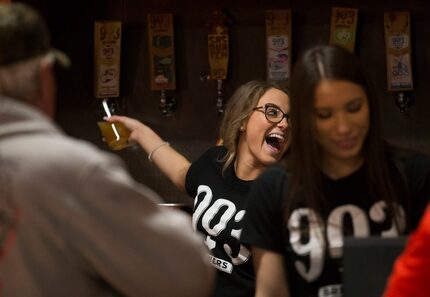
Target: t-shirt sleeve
191,178
206,162
264,224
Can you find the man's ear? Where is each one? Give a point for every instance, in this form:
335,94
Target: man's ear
47,90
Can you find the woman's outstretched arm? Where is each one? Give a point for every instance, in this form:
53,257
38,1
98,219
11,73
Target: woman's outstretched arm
168,160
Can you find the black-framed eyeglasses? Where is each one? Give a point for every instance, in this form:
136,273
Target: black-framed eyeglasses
273,113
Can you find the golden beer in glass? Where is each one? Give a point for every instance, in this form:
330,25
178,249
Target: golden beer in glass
115,135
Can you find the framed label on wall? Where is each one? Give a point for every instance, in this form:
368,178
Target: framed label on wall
278,38
161,52
398,51
107,58
343,27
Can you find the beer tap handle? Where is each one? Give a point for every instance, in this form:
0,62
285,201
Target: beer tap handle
167,104
220,96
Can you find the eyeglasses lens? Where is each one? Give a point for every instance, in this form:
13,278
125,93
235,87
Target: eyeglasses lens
274,114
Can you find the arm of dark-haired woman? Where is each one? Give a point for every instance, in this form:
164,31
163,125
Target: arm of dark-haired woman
270,273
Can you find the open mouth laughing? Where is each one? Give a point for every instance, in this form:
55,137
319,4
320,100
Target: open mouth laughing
276,142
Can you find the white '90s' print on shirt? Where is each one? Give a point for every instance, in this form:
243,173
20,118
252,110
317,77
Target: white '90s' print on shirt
228,211
310,241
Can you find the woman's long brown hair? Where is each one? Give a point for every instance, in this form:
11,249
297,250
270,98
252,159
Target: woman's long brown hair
317,64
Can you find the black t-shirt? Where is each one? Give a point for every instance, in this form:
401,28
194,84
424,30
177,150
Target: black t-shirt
313,252
219,208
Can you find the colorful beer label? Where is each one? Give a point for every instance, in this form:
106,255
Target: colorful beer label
161,52
278,36
343,27
218,46
398,51
107,57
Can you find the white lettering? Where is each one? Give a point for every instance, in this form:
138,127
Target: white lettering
209,213
360,226
331,291
307,239
225,218
221,264
378,214
203,204
315,246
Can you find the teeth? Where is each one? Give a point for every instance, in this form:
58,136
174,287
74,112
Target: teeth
278,136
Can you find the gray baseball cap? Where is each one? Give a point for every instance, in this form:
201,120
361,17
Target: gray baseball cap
24,35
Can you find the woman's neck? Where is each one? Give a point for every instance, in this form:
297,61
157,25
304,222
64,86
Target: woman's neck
338,168
246,170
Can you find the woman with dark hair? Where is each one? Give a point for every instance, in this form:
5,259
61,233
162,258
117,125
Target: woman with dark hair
345,181
255,134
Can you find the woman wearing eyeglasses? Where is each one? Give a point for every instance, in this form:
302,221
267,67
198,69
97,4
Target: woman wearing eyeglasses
255,134
344,181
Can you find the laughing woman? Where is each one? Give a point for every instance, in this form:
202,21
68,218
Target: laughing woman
345,181
255,134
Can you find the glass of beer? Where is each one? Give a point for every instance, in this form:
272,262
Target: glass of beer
116,135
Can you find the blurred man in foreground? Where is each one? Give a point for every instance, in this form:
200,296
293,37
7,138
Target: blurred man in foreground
72,221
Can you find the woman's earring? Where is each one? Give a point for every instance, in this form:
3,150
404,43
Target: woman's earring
242,128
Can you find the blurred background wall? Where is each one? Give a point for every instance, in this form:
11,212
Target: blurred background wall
194,126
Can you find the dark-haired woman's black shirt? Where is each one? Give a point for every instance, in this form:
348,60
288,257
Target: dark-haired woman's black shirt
313,251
